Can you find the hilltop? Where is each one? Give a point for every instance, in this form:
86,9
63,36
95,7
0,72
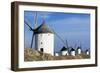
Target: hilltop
34,55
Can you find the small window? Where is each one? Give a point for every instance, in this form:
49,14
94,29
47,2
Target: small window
41,42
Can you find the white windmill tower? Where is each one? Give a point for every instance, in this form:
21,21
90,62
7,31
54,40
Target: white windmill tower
79,50
87,52
44,39
72,52
64,50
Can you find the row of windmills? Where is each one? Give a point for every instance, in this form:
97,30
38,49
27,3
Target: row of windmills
43,38
71,51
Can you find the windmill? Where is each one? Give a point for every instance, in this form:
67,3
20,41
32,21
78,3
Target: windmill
79,50
42,29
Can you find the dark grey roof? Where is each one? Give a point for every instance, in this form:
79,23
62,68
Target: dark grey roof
78,47
72,49
63,48
87,50
43,28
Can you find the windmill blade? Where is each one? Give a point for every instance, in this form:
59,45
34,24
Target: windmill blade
28,25
58,36
80,45
35,25
67,43
35,21
31,30
75,46
32,40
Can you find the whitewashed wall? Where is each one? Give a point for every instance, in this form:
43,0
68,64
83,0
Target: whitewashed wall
78,51
47,40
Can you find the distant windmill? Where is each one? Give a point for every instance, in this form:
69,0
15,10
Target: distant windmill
79,49
44,38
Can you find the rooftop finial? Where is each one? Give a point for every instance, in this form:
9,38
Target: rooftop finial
43,19
43,22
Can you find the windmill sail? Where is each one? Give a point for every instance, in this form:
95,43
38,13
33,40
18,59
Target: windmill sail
35,26
67,43
27,23
58,36
35,21
32,29
32,40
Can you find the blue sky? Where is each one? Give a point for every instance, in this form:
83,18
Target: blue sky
73,27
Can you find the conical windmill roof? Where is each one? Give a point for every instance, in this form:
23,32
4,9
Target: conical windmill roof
78,47
43,28
64,49
72,49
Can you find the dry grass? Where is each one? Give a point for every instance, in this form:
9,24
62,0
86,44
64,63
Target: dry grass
33,55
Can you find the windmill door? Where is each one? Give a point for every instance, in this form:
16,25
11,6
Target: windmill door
41,49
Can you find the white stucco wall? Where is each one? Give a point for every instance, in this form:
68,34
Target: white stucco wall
73,53
56,54
65,52
79,51
87,53
45,41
